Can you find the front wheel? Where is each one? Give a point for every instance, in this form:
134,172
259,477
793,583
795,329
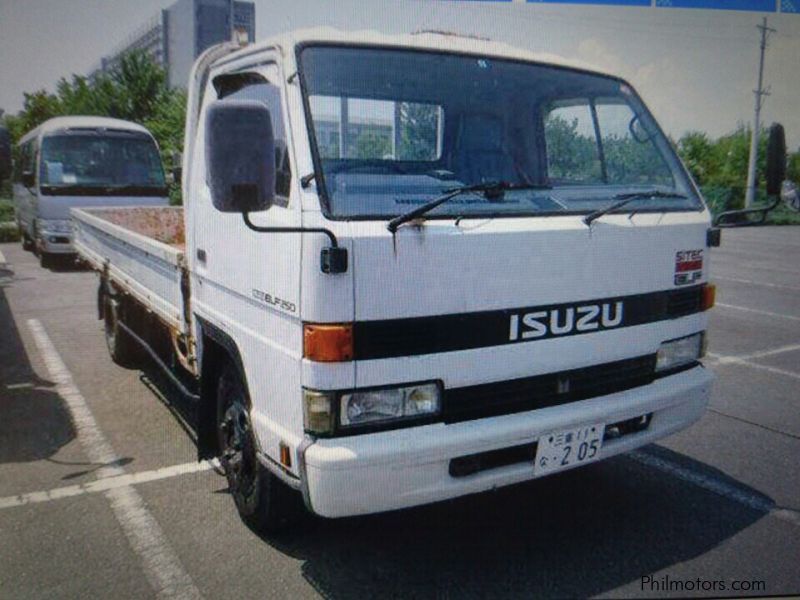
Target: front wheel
47,260
264,502
27,242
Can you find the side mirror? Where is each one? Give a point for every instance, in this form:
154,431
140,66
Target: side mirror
28,179
5,154
776,159
639,131
240,156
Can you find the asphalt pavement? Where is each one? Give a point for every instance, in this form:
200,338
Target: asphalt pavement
101,496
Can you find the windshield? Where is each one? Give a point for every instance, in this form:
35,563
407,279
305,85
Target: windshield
100,160
395,128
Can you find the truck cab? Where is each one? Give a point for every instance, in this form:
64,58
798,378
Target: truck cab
423,266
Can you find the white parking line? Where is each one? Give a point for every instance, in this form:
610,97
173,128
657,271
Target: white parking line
2,259
766,313
742,360
105,484
161,565
713,484
19,386
761,283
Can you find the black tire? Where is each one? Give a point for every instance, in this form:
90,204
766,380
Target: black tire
46,260
264,502
123,349
27,242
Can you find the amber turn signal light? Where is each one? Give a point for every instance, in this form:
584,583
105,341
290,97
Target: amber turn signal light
286,455
709,296
328,343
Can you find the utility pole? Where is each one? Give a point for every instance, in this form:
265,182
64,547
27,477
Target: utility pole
760,93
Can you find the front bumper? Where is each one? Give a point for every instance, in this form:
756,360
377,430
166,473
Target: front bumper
408,467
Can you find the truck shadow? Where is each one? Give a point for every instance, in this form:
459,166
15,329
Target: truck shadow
571,535
66,263
34,422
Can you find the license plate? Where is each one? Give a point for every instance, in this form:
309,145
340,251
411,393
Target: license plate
561,449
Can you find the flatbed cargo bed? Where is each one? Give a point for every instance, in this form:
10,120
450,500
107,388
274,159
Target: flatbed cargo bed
141,251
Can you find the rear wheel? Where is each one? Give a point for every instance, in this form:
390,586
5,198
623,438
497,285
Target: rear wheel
123,349
264,502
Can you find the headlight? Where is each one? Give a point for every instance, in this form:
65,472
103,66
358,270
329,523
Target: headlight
54,225
383,405
683,351
366,407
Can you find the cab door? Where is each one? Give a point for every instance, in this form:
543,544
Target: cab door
246,283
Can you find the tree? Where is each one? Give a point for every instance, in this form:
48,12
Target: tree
167,122
570,154
418,131
37,107
81,97
372,145
137,87
697,152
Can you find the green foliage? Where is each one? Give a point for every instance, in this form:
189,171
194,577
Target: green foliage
783,215
37,107
721,165
167,120
632,162
6,210
5,191
571,155
418,131
8,232
793,167
372,145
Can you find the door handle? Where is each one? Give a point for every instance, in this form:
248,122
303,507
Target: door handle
201,255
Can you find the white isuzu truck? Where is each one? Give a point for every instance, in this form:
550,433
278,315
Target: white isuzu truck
410,268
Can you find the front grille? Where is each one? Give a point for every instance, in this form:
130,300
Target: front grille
541,391
685,302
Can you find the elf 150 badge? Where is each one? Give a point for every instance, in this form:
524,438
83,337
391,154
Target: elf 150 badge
688,266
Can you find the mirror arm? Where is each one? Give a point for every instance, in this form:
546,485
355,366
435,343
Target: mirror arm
332,259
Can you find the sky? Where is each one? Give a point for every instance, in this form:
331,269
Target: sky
696,69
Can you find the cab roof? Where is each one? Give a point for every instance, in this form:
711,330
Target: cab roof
443,41
81,122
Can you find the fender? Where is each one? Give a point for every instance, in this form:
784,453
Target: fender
211,358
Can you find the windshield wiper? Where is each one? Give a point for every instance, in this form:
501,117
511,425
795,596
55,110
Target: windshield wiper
621,200
493,191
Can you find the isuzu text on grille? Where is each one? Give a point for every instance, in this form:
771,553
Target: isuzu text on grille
563,321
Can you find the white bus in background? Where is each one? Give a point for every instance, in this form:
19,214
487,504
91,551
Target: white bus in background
69,162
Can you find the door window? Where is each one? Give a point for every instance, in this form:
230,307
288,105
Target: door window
261,90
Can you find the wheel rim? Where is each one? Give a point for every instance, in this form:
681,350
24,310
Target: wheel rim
238,454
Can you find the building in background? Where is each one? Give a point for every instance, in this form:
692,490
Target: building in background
179,34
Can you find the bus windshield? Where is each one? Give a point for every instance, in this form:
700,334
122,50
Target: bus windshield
102,160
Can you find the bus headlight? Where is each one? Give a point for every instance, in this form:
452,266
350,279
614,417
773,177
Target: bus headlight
680,352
